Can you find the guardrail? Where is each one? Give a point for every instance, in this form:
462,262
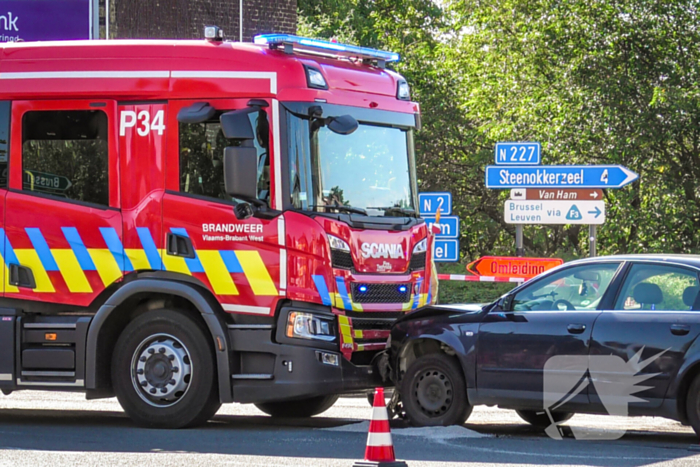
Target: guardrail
470,278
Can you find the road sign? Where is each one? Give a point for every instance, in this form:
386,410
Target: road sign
508,266
428,203
449,226
559,176
554,212
43,182
556,194
45,20
517,153
446,250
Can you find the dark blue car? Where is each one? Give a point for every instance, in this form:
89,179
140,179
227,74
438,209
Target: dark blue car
615,335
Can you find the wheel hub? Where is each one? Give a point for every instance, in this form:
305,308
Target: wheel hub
433,391
161,370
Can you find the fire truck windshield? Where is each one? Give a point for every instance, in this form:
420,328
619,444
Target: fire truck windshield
368,170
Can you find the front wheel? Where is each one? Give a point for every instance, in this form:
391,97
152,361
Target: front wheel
303,408
434,393
541,419
163,371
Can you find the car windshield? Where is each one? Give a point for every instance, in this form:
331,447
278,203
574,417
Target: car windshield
367,171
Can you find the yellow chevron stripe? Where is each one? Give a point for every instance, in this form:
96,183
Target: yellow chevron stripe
71,271
356,306
407,306
138,258
422,300
29,258
345,329
216,272
256,272
106,265
358,333
175,263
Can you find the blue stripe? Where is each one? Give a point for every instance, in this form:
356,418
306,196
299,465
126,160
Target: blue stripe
343,291
231,261
114,245
8,253
149,247
416,297
322,289
78,247
42,248
193,264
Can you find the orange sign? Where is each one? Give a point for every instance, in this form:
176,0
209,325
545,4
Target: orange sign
509,266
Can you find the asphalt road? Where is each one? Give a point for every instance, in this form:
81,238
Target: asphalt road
42,428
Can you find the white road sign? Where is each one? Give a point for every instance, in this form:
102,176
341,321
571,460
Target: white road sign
554,212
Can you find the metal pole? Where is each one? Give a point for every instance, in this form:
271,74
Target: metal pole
519,250
95,19
240,22
106,19
592,239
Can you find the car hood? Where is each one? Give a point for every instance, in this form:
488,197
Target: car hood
439,310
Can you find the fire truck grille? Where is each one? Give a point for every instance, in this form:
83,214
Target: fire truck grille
341,259
417,261
381,293
372,324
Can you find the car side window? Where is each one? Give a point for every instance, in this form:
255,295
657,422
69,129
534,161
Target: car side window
202,152
577,288
658,287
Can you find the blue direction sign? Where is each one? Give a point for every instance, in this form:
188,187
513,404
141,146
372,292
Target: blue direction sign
518,153
559,176
446,250
449,226
428,203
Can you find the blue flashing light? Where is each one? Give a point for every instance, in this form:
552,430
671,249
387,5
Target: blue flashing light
362,288
403,288
325,47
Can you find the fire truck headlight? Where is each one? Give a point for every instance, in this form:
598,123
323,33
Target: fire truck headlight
403,92
421,247
315,79
309,326
338,244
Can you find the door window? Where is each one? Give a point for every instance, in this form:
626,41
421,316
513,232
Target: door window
202,152
577,288
658,287
65,154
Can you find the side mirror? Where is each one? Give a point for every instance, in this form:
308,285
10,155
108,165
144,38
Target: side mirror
506,302
196,113
236,124
343,125
240,172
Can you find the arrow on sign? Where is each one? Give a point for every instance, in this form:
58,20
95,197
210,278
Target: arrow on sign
597,212
594,195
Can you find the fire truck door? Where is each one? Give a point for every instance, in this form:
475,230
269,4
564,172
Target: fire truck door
239,260
62,219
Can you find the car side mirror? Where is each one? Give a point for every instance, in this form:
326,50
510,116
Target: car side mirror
240,172
506,303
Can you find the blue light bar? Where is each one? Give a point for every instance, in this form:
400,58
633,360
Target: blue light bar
317,46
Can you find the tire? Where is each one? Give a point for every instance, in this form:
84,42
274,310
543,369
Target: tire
434,393
303,408
163,371
693,405
540,419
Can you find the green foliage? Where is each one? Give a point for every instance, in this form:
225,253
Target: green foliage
596,82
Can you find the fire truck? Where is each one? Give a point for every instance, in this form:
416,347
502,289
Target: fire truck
194,222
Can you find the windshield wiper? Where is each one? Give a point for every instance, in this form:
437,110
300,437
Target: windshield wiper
341,207
396,210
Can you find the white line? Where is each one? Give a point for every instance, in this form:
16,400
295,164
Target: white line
277,153
258,310
5,376
272,76
79,383
283,270
281,232
85,74
379,439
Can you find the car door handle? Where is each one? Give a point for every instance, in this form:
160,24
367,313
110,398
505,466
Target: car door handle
179,245
576,328
680,329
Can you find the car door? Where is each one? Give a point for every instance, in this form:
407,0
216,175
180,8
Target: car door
650,325
553,316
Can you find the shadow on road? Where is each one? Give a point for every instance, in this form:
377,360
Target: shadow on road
92,431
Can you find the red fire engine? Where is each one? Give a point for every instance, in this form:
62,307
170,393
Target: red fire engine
187,223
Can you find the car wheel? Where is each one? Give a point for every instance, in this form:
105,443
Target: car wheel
434,393
298,408
693,405
540,419
163,371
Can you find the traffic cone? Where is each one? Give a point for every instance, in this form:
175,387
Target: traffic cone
380,449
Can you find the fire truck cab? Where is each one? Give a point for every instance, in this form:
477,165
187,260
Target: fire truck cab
189,223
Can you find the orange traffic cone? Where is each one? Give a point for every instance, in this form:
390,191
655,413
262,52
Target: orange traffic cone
380,449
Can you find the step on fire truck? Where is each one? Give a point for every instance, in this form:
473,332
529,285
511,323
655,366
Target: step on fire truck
188,223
